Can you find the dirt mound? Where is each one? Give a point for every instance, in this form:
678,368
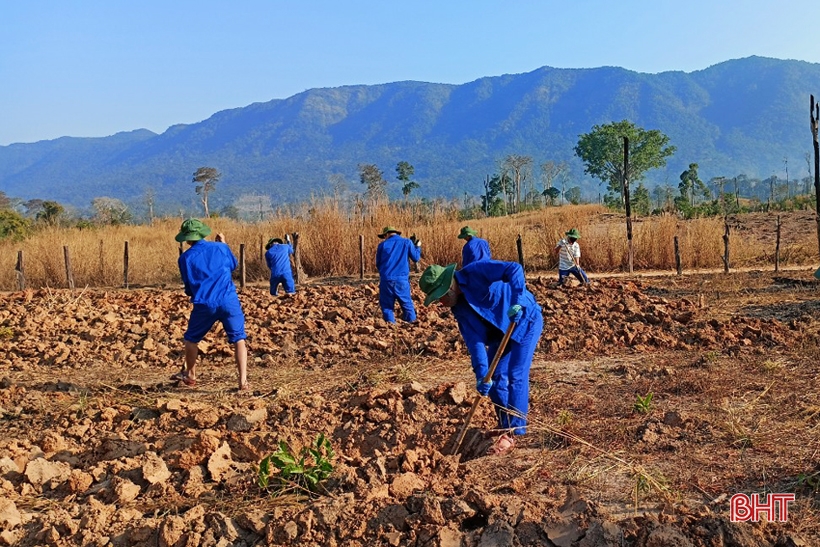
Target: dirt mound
99,448
177,472
322,326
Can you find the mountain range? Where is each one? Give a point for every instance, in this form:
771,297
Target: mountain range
745,116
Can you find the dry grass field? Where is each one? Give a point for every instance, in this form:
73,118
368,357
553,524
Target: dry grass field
329,243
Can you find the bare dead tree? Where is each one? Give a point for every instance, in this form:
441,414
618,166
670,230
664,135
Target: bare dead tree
520,167
550,172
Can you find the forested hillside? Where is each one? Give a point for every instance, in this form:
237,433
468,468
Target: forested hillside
741,117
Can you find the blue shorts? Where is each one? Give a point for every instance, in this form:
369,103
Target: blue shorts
203,318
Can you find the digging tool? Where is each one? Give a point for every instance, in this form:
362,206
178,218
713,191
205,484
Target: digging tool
489,376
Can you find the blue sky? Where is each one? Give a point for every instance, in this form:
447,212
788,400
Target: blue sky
92,68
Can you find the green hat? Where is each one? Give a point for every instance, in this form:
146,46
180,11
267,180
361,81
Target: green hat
192,230
388,230
435,282
467,232
271,241
573,233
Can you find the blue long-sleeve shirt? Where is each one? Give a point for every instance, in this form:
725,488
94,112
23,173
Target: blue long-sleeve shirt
488,289
278,259
206,272
392,255
474,250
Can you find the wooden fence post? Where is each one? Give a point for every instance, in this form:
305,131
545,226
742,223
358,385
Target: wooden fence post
180,248
125,266
777,246
814,112
241,265
300,273
21,275
725,246
520,245
261,250
627,205
677,257
68,275
361,256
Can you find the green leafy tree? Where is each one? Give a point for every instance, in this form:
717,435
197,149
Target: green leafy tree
640,200
491,201
685,201
50,213
602,151
692,192
13,225
205,179
551,194
574,195
372,177
5,201
405,171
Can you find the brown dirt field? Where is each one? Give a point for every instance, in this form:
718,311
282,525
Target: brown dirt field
100,448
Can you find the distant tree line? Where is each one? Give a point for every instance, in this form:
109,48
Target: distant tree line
512,189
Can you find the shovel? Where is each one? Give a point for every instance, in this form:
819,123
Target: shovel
487,378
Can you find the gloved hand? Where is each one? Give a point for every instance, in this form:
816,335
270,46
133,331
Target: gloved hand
287,238
482,387
515,313
415,240
418,243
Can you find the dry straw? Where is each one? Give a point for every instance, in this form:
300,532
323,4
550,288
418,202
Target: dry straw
329,243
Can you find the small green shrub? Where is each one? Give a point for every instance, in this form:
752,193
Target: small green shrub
644,404
285,471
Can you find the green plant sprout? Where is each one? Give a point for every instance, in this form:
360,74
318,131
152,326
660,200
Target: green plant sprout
644,404
302,472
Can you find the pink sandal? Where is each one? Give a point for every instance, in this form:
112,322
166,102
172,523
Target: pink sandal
502,445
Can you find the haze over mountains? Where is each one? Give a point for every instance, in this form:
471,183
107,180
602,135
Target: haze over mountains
742,116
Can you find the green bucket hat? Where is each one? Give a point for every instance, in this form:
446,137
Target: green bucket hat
435,282
192,230
573,233
467,232
273,240
388,230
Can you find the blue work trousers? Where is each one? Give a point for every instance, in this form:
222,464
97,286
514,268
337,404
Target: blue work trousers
510,391
579,274
391,291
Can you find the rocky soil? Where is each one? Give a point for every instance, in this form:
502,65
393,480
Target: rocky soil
98,447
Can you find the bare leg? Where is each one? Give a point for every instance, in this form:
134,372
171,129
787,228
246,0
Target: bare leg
241,356
191,353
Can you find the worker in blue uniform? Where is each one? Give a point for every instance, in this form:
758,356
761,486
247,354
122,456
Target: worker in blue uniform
392,255
485,297
206,269
475,248
277,257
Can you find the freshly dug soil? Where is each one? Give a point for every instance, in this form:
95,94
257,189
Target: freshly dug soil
99,447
